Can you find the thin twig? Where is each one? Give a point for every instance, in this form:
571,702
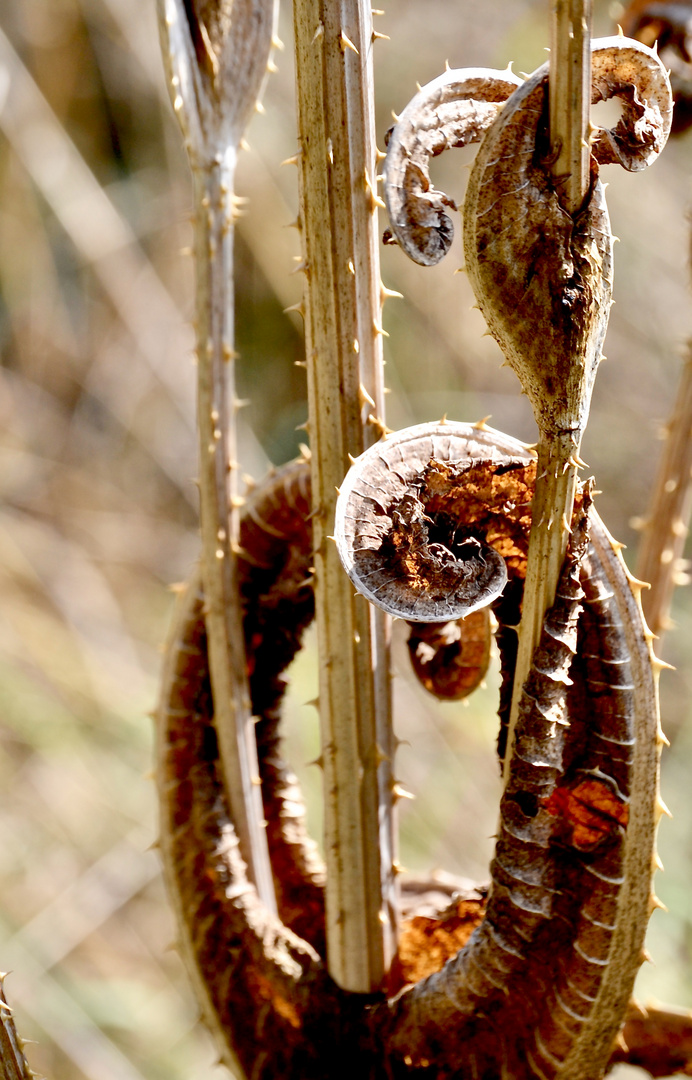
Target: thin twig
345,392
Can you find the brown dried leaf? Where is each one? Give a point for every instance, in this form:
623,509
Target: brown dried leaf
451,659
667,26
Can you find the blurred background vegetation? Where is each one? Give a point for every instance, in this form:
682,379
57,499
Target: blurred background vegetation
98,503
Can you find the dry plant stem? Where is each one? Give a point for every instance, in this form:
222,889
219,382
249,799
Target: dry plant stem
667,520
556,480
569,90
343,340
570,96
216,407
216,65
13,1064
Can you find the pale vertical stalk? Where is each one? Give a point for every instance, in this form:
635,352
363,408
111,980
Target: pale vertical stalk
570,98
219,497
556,479
345,387
666,526
216,66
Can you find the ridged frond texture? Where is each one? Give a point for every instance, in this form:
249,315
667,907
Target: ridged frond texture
541,986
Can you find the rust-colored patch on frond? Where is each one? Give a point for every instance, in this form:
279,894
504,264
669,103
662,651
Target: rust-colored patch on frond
590,812
426,943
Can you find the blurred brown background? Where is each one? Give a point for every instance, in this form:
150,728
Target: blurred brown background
98,504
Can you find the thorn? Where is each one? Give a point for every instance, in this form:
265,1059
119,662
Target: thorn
399,792
379,329
386,294
379,425
396,118
351,459
662,808
237,501
318,761
319,32
303,427
655,903
277,43
244,144
240,403
346,43
299,307
380,755
177,587
364,396
292,160
380,37
482,425
305,451
621,1044
461,270
301,268
299,363
271,67
635,584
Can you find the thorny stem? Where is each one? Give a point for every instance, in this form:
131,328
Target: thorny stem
570,96
556,479
219,497
13,1063
551,511
345,390
216,66
667,520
